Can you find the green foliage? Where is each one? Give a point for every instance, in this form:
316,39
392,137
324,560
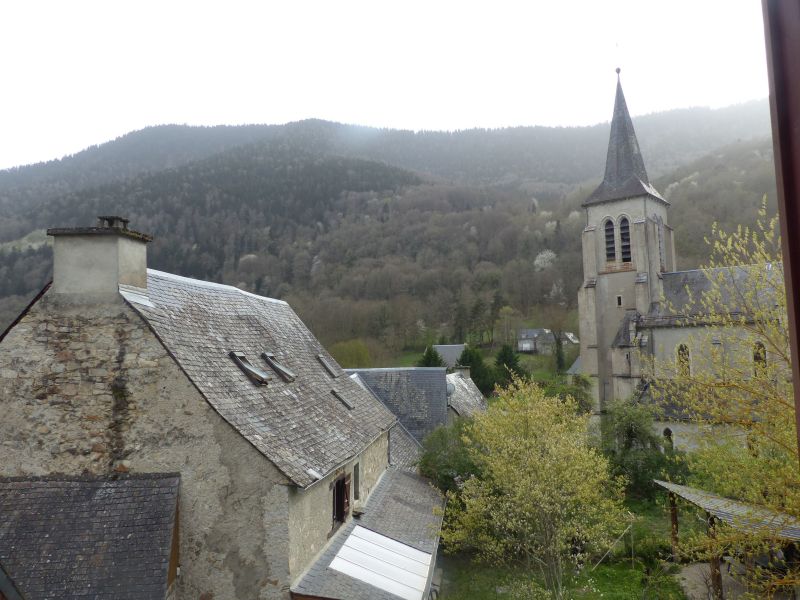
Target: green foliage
635,450
430,358
445,459
543,497
352,354
577,387
482,374
507,365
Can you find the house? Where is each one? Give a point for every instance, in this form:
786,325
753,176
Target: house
464,397
542,341
86,535
422,398
115,369
450,353
632,300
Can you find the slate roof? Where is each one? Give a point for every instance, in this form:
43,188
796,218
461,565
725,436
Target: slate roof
745,517
88,537
623,337
450,353
416,395
404,450
625,175
400,507
466,399
575,369
532,334
680,287
301,426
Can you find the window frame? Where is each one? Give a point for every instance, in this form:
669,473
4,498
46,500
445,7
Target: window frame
254,374
610,239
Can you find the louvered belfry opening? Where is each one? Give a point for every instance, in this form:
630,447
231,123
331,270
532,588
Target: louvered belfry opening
611,246
625,239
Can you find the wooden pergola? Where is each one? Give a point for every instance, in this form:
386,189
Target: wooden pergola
754,520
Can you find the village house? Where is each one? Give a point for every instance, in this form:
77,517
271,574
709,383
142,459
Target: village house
118,375
543,341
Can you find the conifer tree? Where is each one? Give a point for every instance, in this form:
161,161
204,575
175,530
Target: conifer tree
430,358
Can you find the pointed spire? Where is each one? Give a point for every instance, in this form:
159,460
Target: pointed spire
625,175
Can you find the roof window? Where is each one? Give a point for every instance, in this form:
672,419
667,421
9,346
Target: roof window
255,374
328,366
342,399
286,374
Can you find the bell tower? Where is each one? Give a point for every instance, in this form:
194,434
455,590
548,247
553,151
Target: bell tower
627,244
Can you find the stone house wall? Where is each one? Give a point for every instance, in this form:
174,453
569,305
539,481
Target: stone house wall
311,509
89,388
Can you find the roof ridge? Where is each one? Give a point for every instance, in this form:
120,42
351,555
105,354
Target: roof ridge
211,285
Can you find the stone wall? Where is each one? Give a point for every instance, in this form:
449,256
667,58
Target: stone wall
311,510
90,389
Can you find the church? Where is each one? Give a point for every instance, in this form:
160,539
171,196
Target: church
633,305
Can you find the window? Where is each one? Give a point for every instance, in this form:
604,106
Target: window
669,444
625,239
759,359
684,365
611,245
341,499
332,371
356,481
255,374
619,300
286,374
342,399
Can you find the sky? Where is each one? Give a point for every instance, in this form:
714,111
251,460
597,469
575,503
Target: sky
77,73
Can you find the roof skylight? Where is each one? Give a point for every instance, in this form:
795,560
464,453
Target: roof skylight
342,399
286,374
328,366
255,374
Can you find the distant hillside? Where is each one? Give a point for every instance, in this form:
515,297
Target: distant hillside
383,235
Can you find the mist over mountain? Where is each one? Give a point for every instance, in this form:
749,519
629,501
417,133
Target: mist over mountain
390,236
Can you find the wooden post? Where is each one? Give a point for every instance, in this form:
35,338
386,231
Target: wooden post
673,516
782,34
716,559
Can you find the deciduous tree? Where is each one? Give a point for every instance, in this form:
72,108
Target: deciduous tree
544,496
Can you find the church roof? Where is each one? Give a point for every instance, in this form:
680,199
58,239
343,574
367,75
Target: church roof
625,175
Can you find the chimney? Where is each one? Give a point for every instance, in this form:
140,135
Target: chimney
462,371
91,262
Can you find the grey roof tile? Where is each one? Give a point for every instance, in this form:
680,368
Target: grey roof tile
450,353
417,395
300,425
466,399
88,537
400,507
404,450
625,175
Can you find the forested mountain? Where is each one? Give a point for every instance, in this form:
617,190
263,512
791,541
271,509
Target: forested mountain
382,235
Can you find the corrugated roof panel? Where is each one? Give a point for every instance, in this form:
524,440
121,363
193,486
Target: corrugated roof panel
384,563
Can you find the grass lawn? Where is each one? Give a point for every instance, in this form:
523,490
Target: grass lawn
616,578
464,580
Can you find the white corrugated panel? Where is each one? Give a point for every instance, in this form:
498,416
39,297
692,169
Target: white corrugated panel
384,563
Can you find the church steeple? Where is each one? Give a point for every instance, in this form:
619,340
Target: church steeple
625,175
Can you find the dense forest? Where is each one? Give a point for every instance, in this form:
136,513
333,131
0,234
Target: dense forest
392,237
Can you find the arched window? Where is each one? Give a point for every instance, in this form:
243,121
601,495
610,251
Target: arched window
759,359
611,244
625,239
668,442
684,366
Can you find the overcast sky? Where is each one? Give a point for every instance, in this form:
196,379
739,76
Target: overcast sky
77,73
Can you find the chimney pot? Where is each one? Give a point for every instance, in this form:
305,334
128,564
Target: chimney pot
90,263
